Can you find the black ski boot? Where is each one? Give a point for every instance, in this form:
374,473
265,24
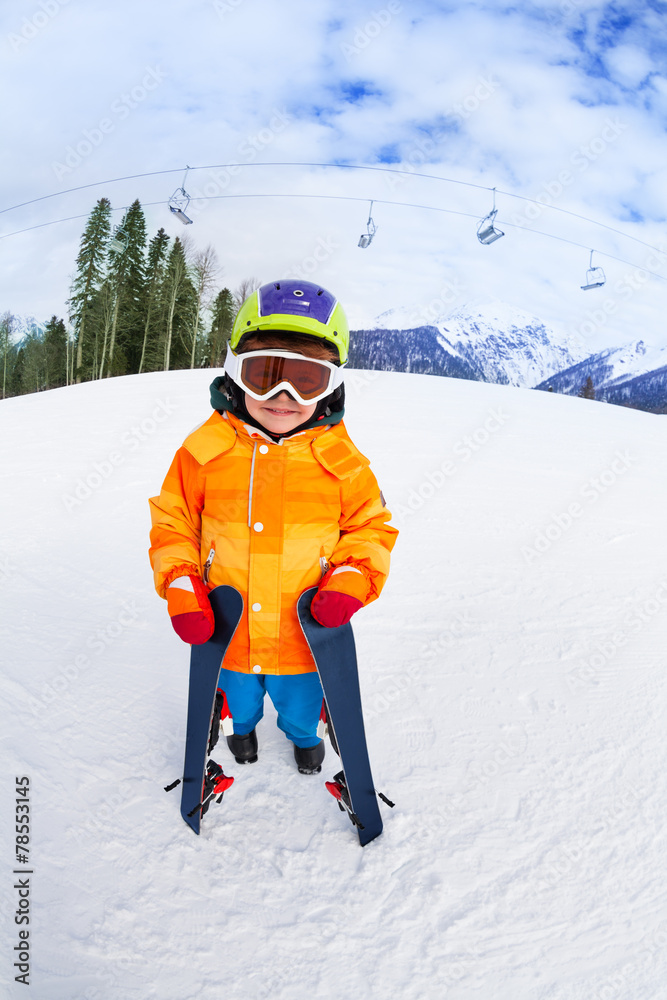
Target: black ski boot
309,759
244,747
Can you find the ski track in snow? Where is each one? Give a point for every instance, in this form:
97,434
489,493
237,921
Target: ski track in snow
514,689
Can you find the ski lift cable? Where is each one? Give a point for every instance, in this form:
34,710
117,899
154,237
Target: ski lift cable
433,208
338,166
381,201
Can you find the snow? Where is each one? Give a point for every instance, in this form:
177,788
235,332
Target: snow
634,359
514,685
498,341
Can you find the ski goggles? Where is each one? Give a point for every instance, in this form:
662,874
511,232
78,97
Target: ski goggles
265,373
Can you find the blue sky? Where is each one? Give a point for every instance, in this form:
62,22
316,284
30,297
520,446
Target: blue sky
563,103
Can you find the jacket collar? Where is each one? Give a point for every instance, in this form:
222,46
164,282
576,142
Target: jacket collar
331,445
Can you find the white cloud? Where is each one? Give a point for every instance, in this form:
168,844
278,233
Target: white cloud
629,65
519,99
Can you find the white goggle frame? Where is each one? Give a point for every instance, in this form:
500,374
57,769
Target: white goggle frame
234,364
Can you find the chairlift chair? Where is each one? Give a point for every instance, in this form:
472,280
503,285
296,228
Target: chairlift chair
595,277
486,230
366,238
178,203
118,241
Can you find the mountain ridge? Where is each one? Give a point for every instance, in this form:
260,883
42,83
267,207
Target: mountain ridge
499,343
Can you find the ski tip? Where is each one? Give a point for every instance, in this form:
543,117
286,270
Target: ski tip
193,824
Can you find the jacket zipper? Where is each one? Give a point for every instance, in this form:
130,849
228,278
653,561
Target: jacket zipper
207,566
252,478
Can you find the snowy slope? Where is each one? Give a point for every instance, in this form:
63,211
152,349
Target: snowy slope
513,676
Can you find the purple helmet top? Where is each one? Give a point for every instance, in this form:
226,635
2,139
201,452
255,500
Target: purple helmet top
296,298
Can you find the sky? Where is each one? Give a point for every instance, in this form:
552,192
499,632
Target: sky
558,106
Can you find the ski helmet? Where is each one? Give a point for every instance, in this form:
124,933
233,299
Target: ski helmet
293,306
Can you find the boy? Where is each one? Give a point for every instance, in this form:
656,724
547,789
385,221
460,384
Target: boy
271,497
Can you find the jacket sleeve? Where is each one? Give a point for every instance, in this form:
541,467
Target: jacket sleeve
176,518
366,539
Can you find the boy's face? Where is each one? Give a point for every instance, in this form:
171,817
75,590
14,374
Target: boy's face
279,414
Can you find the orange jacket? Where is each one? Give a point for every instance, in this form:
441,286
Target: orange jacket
268,519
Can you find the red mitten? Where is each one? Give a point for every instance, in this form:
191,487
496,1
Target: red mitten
190,609
338,596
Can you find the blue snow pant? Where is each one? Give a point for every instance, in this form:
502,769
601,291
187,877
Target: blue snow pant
296,697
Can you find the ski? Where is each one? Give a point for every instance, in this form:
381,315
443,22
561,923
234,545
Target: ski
335,657
201,783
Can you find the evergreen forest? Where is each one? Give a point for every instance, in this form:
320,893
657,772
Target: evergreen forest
135,305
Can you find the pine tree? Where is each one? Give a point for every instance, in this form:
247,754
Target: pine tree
178,298
127,276
155,268
30,367
223,313
55,353
203,268
91,267
105,311
8,350
587,390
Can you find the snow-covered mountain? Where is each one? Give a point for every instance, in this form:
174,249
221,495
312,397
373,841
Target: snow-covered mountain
491,343
507,345
632,375
498,343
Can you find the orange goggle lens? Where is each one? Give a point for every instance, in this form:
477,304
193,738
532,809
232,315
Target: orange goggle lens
262,374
